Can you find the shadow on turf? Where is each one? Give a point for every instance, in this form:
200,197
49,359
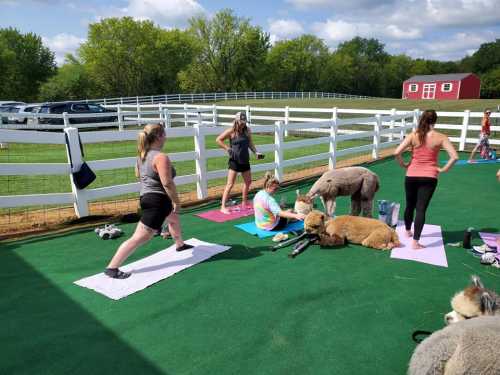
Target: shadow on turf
47,332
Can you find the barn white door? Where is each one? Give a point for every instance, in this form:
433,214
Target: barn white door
429,91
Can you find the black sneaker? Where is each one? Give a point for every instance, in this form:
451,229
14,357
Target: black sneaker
115,273
184,247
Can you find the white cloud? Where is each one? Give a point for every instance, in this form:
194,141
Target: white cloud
361,5
334,32
61,44
165,12
284,29
454,47
446,13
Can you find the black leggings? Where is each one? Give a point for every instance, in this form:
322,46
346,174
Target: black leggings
419,192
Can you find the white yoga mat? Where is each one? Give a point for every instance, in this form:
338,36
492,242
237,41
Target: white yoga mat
431,238
152,269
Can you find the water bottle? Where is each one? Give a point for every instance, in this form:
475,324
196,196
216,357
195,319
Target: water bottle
467,238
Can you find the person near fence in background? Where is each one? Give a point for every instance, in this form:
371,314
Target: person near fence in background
483,145
158,198
422,171
268,213
240,140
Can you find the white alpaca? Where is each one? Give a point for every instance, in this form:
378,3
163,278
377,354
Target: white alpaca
469,347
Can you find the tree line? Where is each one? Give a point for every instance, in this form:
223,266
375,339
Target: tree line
125,57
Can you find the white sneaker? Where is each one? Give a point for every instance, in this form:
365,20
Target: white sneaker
482,249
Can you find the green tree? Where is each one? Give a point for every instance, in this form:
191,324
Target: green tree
490,84
25,64
396,71
337,75
125,57
230,54
71,82
486,58
368,60
296,65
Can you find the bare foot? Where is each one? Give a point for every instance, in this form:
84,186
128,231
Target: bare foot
225,211
416,246
409,234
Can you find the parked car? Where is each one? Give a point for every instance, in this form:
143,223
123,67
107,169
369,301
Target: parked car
5,106
21,109
75,108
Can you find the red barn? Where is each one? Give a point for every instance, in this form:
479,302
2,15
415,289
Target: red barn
442,87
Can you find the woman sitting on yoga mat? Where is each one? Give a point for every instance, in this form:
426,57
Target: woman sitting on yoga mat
422,171
158,198
240,140
268,213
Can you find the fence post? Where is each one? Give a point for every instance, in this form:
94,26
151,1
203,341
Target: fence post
376,137
160,110
416,116
65,119
332,163
167,118
74,154
287,119
248,114
278,152
214,114
391,126
403,130
120,118
138,114
185,115
201,160
463,133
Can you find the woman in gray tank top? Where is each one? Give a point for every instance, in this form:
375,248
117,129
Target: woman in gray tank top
158,198
240,140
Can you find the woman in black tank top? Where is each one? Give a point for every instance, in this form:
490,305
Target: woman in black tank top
240,140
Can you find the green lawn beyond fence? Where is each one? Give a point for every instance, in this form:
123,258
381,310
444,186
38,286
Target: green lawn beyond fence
350,310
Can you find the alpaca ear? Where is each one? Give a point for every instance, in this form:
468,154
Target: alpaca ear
476,281
488,304
297,192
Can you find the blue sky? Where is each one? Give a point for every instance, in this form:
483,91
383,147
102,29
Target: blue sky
433,29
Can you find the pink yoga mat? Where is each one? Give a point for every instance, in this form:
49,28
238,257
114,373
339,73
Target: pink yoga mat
235,213
490,239
431,238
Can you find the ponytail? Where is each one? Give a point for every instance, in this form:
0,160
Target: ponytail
428,119
147,137
270,179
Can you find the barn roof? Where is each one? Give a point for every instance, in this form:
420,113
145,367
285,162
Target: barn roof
438,77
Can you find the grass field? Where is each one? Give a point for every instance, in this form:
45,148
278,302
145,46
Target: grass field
349,310
399,104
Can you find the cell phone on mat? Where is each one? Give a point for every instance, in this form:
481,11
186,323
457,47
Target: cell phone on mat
260,156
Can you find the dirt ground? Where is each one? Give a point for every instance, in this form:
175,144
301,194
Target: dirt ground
49,220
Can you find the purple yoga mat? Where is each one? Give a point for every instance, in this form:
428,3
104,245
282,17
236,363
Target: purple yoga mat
490,239
235,213
431,238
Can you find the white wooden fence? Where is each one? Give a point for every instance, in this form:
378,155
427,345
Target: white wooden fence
212,115
220,96
387,131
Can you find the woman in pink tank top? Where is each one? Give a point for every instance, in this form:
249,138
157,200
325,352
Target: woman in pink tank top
422,171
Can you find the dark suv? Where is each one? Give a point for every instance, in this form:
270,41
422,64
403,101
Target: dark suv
75,108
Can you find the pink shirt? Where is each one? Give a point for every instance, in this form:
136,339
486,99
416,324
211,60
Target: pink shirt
423,162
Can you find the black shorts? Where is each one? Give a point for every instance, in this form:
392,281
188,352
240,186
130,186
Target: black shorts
155,208
238,167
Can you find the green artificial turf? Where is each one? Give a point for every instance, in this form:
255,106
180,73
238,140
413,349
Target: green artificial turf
350,310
